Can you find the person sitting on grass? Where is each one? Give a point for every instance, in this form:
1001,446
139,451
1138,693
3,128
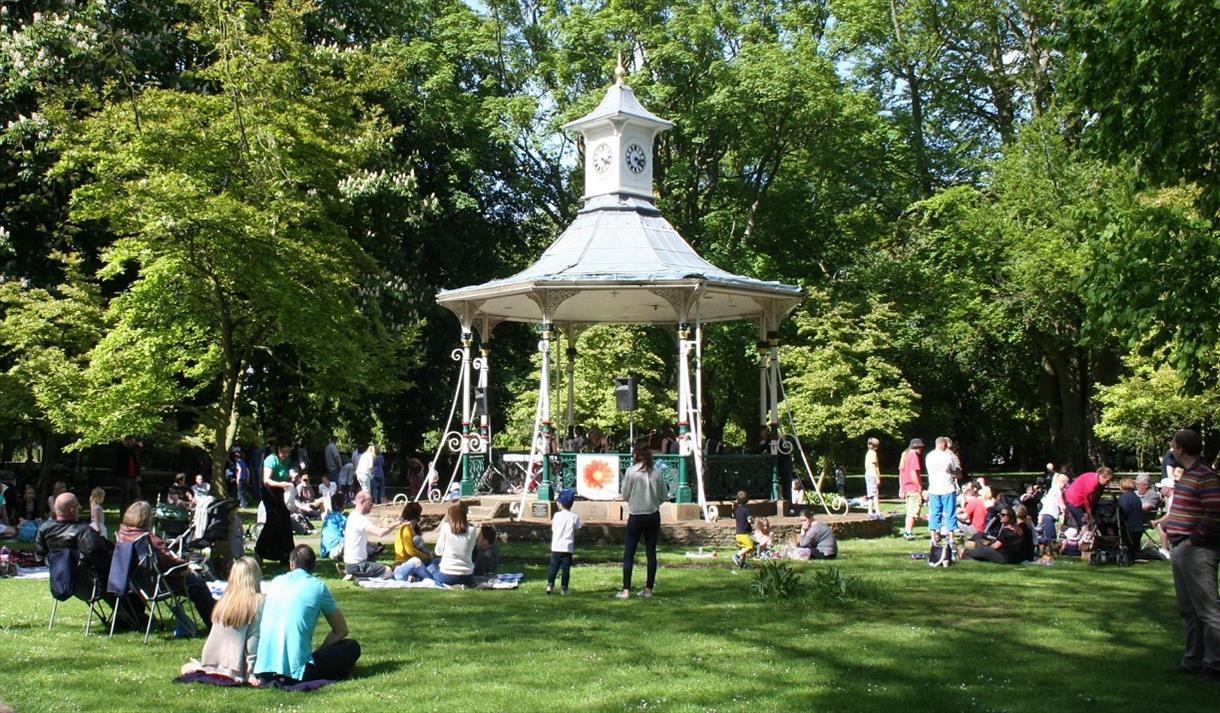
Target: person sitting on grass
762,536
290,613
453,564
815,541
1029,533
741,517
356,562
563,541
231,647
409,551
487,552
972,511
1007,547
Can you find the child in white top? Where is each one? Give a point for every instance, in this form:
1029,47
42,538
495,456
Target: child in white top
563,541
97,519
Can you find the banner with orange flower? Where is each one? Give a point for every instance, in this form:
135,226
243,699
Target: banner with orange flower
597,476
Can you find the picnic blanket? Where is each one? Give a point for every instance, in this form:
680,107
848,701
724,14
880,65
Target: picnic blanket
33,573
506,580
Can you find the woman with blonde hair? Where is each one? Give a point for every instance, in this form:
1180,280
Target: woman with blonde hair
231,647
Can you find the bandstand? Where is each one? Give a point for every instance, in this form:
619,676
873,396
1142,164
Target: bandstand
619,262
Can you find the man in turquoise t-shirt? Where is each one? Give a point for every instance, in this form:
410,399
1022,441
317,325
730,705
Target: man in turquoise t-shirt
290,614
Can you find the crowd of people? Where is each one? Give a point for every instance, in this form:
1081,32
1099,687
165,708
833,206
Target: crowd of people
261,633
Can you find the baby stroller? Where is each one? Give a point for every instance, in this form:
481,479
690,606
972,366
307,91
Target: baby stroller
172,521
213,537
1109,535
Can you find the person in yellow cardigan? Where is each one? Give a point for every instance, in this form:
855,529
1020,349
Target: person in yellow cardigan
408,545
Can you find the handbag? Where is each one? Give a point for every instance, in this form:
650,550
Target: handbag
941,554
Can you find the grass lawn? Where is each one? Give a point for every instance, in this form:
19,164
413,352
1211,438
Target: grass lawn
978,637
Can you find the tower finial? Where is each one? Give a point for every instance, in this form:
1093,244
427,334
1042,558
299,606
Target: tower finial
620,72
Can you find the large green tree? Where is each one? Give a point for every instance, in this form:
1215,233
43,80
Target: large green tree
225,205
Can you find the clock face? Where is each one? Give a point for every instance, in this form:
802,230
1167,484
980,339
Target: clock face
636,158
602,155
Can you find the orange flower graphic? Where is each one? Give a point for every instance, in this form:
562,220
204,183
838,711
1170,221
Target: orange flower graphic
597,474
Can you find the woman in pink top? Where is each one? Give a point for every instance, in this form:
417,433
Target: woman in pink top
1083,493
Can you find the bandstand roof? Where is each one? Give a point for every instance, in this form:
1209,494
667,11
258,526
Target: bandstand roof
621,262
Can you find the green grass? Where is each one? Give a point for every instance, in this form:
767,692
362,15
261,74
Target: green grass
977,637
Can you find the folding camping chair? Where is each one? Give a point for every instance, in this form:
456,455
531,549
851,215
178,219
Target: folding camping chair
135,570
72,575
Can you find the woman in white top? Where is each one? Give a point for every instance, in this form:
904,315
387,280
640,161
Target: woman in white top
1051,513
455,548
644,491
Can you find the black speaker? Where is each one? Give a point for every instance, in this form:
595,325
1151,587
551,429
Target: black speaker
483,400
625,393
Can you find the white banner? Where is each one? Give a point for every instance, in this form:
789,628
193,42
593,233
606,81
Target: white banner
597,476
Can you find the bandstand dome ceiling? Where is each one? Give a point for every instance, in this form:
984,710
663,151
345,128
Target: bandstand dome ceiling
620,261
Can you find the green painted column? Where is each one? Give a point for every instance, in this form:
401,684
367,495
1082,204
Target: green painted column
545,491
467,478
683,494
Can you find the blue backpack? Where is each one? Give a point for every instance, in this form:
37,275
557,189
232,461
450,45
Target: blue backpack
332,534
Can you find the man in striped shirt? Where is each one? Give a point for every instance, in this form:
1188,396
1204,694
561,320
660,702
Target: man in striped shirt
1193,527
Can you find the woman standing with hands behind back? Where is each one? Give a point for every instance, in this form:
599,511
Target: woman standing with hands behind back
644,491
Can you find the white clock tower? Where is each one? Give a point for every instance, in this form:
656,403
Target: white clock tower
618,138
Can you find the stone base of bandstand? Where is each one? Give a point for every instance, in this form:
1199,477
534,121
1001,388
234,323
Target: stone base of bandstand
606,522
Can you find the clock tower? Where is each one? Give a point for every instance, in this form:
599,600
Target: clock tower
618,137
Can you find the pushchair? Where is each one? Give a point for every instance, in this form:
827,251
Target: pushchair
172,521
214,535
1109,535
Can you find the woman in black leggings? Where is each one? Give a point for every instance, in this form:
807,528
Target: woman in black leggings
644,491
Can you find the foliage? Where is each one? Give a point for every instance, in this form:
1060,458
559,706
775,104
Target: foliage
228,252
831,586
775,579
1148,74
602,353
1144,408
840,383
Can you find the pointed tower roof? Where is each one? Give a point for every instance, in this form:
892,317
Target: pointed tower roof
620,261
619,104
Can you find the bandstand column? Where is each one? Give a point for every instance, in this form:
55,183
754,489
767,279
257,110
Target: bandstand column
683,493
467,476
570,374
544,346
761,346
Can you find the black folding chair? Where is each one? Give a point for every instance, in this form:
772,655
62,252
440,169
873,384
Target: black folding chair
72,575
145,578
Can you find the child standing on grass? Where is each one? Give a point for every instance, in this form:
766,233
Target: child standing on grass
97,519
563,541
741,514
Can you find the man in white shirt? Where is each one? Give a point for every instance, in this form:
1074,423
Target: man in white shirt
356,562
942,489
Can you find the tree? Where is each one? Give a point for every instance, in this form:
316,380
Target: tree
841,383
1148,74
602,353
1143,409
225,205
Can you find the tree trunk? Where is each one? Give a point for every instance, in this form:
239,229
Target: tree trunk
1064,393
923,176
